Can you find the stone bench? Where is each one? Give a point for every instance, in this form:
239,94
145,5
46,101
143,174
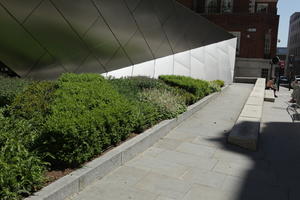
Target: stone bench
246,129
269,96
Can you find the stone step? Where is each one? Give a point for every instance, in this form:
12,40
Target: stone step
269,96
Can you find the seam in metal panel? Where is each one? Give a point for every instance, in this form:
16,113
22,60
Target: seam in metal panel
98,9
31,35
162,27
72,28
38,5
139,29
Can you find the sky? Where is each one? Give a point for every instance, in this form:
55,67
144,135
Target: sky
285,9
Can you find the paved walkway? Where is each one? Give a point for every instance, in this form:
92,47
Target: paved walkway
193,162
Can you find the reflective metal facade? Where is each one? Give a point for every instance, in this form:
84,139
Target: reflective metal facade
41,39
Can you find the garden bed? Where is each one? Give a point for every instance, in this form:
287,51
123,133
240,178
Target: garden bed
62,124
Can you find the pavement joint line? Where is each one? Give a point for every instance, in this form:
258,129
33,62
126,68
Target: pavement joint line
96,169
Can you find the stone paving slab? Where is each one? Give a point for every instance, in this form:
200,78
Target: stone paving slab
164,185
199,192
187,160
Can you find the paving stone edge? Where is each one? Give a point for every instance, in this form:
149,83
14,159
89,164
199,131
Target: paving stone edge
98,168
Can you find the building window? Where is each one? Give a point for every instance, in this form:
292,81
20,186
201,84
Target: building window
212,6
267,49
264,73
238,42
226,6
262,8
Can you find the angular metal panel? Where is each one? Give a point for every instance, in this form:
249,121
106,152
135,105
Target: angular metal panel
81,14
101,41
132,4
137,49
163,9
46,69
90,65
119,60
20,9
17,49
118,17
49,27
151,28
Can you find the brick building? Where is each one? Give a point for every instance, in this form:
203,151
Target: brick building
294,45
253,22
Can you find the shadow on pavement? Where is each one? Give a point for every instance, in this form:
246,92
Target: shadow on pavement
274,172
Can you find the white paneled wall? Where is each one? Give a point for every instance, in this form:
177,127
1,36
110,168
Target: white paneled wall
211,62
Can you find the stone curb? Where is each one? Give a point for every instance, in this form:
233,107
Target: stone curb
98,168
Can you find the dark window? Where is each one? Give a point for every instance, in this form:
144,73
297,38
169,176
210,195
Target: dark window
267,49
212,6
226,6
262,8
264,73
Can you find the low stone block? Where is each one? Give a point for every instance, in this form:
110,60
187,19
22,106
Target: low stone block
256,101
252,111
245,133
269,96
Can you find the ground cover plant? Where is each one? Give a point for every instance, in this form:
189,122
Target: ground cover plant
10,88
198,88
50,125
155,100
22,171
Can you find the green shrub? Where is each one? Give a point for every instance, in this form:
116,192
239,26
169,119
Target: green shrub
199,88
34,103
167,104
214,87
87,116
219,82
189,98
20,129
130,88
10,88
147,115
22,172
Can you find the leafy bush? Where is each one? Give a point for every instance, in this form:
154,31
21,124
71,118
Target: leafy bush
10,88
87,116
199,88
34,103
214,87
130,88
189,98
22,172
167,104
19,129
219,82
